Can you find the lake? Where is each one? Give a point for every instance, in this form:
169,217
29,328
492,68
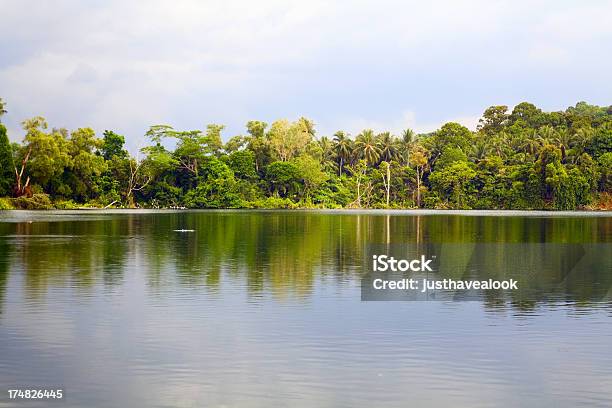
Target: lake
263,309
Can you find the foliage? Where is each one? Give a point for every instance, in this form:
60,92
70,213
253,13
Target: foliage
523,158
36,202
287,140
454,183
242,163
605,169
283,178
5,204
216,187
112,146
7,175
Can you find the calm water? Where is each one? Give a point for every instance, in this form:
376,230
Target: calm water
262,309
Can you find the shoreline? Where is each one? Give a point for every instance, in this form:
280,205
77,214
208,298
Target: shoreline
354,211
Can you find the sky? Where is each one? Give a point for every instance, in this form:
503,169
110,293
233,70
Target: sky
387,65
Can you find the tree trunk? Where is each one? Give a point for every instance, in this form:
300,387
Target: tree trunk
418,188
19,189
388,186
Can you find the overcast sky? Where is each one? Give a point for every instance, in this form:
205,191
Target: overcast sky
347,65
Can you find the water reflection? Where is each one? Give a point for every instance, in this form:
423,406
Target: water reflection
283,253
263,309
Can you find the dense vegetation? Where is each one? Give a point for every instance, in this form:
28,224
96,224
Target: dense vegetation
519,159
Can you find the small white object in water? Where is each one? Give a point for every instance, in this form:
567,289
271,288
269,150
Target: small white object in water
183,230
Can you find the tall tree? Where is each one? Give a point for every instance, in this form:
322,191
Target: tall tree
112,145
367,147
343,147
386,176
87,166
493,119
407,141
419,160
389,148
7,176
212,141
257,142
49,152
287,139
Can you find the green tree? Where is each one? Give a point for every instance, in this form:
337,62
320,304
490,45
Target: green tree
216,187
406,143
7,168
493,119
389,147
527,114
449,156
601,142
212,141
86,166
525,159
367,147
455,183
419,161
450,135
112,145
310,172
257,143
235,144
49,153
544,169
242,164
288,140
569,189
605,170
283,178
343,147
386,177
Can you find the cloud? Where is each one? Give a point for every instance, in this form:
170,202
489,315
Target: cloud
126,65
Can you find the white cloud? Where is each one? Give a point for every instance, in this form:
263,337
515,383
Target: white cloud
126,65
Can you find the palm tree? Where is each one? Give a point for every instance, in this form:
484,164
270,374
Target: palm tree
581,138
547,133
564,140
500,144
326,146
480,150
327,153
408,136
408,140
343,147
366,146
584,135
420,160
531,143
389,149
308,125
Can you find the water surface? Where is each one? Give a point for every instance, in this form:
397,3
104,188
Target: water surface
263,309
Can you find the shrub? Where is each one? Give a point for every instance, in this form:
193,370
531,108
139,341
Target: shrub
275,203
36,202
5,204
65,205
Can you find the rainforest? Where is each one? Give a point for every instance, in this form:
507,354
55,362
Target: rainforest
519,158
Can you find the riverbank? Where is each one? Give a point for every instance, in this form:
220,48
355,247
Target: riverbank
44,202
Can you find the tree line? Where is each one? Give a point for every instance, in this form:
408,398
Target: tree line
522,158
